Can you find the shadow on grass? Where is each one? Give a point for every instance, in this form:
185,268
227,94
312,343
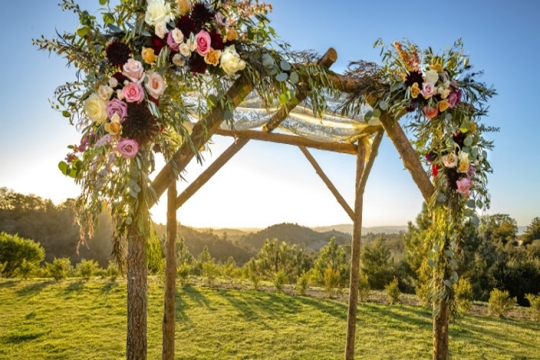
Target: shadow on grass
75,287
5,284
196,296
180,307
22,336
35,288
399,316
110,285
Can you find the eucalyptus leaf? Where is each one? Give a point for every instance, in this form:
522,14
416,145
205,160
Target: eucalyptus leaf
83,31
376,113
114,28
293,78
479,203
448,117
452,244
449,253
448,283
468,141
431,263
471,203
129,220
368,115
383,105
133,193
267,61
63,166
436,248
281,77
475,221
66,113
285,66
227,115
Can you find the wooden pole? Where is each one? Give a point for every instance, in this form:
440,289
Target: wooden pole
327,182
355,254
326,60
362,174
170,277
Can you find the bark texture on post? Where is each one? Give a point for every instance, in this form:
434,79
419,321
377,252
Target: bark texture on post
440,333
170,277
136,347
362,174
355,254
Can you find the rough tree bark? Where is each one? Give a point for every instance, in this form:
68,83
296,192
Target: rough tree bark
170,277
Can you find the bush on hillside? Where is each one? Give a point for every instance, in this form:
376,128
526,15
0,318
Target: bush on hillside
500,303
86,268
59,268
464,295
392,292
534,309
14,250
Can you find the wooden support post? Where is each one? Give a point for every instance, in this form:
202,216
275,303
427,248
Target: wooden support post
136,343
327,60
169,311
362,174
327,182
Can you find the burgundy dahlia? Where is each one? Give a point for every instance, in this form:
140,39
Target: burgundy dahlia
140,124
216,41
185,25
117,53
459,138
414,77
201,15
157,44
197,64
120,78
452,175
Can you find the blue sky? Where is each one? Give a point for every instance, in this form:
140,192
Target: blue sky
267,183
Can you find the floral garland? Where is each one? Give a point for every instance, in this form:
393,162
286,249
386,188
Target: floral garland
445,102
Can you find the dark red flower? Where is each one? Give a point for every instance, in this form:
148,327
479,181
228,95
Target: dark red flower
120,78
459,138
452,175
117,53
431,156
201,15
185,25
155,101
140,125
414,77
157,44
216,41
435,170
197,64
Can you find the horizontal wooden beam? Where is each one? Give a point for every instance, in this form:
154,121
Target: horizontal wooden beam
290,140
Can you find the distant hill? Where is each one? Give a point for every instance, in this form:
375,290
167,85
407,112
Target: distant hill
348,229
293,234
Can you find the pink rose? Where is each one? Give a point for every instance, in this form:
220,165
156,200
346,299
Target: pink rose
203,42
133,92
454,98
155,85
428,90
173,45
127,148
119,107
133,70
464,186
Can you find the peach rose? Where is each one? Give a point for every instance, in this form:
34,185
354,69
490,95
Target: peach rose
133,70
148,55
415,90
212,57
184,6
114,127
232,34
443,105
155,85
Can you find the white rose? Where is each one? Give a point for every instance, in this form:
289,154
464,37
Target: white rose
432,76
184,50
230,61
178,60
96,108
160,30
105,92
113,82
177,36
158,13
450,160
464,162
155,85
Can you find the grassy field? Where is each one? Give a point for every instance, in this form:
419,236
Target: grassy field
74,319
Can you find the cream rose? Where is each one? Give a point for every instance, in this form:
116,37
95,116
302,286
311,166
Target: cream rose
160,30
184,50
114,127
158,12
450,160
230,61
113,82
464,162
155,85
105,92
177,35
431,76
96,108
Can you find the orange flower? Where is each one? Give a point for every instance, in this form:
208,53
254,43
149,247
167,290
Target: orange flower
232,35
443,105
415,90
148,55
212,57
436,67
430,112
473,127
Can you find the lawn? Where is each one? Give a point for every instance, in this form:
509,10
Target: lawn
75,319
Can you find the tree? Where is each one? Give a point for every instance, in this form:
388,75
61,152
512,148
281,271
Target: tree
15,250
377,263
59,268
500,229
532,233
332,256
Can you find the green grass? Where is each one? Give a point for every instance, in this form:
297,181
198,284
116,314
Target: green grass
74,319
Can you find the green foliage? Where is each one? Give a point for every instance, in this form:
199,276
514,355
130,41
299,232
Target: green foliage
332,280
532,233
392,292
229,270
112,271
14,250
364,289
252,273
182,272
302,284
377,263
86,268
155,259
500,303
464,295
59,268
534,306
210,271
275,256
279,281
26,270
332,256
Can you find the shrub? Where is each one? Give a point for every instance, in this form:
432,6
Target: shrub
302,284
59,268
26,269
252,273
14,250
331,279
209,271
113,271
279,281
534,309
86,268
500,303
392,292
464,295
183,273
2,267
363,286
